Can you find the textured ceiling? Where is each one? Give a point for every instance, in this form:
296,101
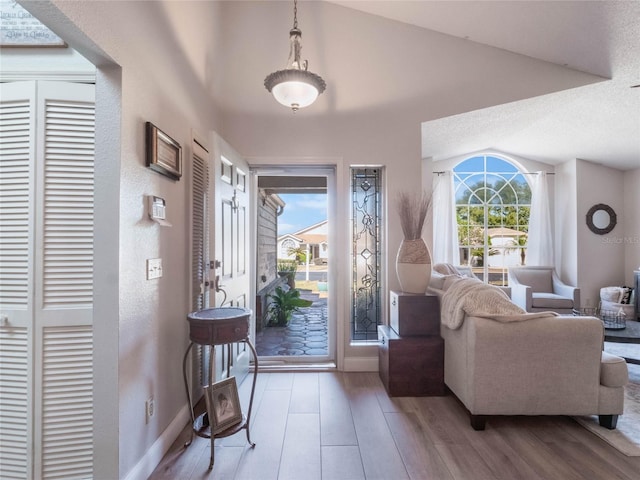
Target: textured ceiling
600,122
544,80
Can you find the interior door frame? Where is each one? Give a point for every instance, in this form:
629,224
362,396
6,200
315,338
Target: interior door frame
330,170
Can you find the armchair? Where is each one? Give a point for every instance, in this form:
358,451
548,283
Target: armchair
537,289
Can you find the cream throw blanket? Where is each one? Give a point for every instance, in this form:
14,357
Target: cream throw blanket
472,297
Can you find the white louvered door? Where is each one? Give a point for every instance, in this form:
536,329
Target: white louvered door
200,258
17,186
47,245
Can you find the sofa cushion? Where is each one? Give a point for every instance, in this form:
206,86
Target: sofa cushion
538,280
613,371
437,280
550,300
626,295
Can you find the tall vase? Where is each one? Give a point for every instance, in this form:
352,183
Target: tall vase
413,266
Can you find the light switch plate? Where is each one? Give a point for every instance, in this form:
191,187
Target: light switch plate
154,268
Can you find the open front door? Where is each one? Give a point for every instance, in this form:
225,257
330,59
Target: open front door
232,282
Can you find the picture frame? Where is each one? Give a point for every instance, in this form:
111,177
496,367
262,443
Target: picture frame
223,404
164,154
18,28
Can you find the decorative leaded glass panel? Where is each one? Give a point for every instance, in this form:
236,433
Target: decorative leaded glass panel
366,208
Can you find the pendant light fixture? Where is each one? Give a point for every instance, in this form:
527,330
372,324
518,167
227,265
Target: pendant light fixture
295,86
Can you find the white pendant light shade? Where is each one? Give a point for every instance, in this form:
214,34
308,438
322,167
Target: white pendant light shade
295,94
295,87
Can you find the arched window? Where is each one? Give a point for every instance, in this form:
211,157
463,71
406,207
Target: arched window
493,202
286,247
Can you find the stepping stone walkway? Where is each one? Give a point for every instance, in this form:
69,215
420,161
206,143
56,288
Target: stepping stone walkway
306,333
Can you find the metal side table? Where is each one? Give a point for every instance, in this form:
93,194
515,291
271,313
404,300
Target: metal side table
219,326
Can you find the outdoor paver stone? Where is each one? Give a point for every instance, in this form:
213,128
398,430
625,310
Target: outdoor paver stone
319,351
306,334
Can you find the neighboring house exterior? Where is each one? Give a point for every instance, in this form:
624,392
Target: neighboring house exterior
314,238
505,243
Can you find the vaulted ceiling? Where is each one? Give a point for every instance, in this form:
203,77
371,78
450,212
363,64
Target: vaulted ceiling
550,81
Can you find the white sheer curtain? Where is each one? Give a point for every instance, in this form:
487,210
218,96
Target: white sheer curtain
540,241
445,224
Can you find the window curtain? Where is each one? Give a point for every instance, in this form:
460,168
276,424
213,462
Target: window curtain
445,223
540,241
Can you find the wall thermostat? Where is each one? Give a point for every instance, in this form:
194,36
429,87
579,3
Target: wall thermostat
157,210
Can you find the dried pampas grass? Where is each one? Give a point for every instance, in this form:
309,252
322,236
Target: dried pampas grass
412,210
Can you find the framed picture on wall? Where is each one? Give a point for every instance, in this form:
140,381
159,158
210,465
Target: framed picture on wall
18,28
164,154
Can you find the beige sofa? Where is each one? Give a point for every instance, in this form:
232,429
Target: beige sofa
539,366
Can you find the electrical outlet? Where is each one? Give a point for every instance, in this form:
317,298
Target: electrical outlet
154,268
149,408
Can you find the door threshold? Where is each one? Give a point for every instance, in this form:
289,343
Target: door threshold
282,366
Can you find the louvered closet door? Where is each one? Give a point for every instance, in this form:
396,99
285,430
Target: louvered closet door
200,227
58,344
200,271
17,186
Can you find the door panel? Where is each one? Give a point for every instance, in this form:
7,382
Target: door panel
226,241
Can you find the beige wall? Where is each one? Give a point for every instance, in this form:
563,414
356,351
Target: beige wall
585,259
566,223
631,221
600,257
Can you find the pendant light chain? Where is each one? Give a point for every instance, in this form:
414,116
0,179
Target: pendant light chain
295,14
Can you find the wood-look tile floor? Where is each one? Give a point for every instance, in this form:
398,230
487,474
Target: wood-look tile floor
335,426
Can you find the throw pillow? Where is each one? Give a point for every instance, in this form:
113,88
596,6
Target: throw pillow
625,295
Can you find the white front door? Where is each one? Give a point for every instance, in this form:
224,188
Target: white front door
231,247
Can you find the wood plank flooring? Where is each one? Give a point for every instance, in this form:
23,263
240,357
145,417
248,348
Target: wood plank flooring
344,426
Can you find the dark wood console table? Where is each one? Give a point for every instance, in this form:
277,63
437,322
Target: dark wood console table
411,350
219,326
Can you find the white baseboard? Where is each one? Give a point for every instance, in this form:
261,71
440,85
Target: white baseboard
361,364
148,463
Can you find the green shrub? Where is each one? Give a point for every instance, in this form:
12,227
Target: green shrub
287,266
283,304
